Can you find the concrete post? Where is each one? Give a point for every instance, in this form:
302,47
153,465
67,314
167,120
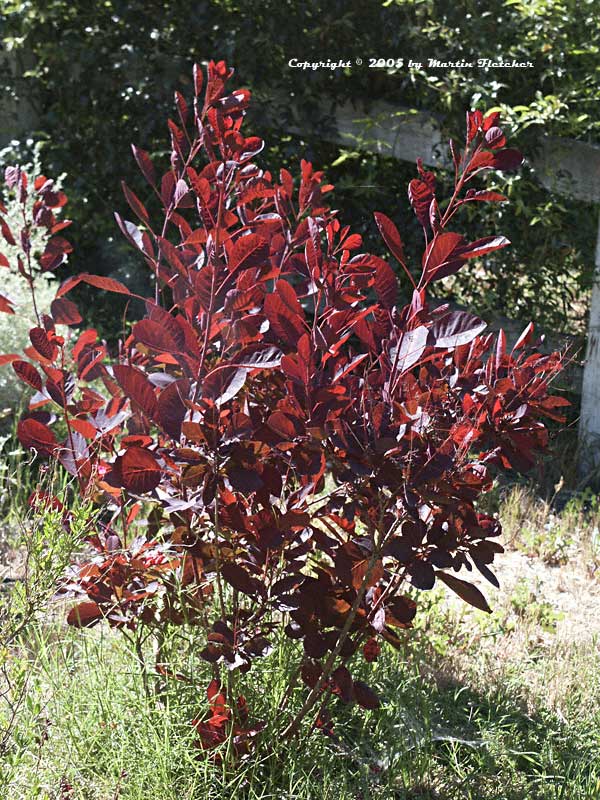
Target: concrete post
589,424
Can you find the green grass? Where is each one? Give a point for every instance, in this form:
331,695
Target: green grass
475,707
87,722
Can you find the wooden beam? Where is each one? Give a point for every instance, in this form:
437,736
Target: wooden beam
396,133
565,166
569,167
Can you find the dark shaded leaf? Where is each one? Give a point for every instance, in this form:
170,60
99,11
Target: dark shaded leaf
135,204
342,683
386,285
422,575
400,611
236,576
171,408
465,590
365,696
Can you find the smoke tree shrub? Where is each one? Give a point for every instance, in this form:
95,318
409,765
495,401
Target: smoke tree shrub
301,449
14,328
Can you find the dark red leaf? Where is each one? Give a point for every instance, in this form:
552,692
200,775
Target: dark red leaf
474,122
421,574
244,480
28,373
99,281
182,107
39,339
371,649
36,435
508,160
391,235
456,328
400,611
310,673
155,336
237,577
420,197
342,683
289,297
465,590
365,696
222,385
386,285
107,284
135,204
65,312
140,471
84,615
484,196
198,79
171,409
354,241
83,427
137,387
315,645
6,232
505,160
284,313
442,257
525,338
169,323
249,251
6,306
286,426
145,164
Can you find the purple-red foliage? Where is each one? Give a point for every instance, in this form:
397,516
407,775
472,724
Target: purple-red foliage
308,449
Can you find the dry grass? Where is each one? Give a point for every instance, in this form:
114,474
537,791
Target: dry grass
544,631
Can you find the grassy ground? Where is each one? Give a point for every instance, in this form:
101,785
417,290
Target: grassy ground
503,706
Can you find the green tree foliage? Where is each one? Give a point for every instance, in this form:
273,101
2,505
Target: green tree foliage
100,76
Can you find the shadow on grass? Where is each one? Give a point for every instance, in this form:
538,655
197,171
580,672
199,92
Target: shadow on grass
449,742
